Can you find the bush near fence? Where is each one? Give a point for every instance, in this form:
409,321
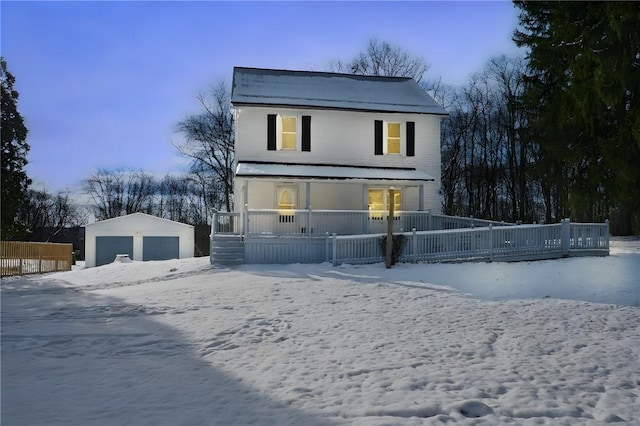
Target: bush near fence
21,258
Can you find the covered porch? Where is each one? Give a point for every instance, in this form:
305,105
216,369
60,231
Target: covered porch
303,199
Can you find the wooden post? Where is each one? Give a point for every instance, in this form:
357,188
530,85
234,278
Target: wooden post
387,260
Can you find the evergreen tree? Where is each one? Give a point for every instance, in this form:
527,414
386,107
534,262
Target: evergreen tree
583,86
14,157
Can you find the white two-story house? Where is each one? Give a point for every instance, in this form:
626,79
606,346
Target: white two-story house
327,143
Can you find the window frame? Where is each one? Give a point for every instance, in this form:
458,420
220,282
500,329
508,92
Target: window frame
280,132
287,215
380,214
386,137
293,189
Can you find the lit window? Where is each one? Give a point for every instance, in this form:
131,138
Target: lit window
286,204
379,202
376,200
289,133
393,138
286,198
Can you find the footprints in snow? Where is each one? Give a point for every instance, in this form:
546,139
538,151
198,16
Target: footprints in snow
255,331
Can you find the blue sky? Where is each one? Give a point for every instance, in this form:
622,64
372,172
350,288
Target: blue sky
102,84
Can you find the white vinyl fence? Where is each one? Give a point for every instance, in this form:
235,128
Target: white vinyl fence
284,223
522,242
353,236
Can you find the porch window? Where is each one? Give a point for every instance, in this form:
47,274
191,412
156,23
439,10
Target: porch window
379,202
286,203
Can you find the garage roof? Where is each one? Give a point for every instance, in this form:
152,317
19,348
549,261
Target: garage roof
144,216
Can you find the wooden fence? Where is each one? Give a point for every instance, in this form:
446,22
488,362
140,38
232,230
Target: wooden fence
21,258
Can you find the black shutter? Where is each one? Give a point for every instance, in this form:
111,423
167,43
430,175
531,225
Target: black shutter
411,139
271,132
378,138
306,133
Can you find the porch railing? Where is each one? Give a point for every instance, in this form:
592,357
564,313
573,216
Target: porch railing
308,222
226,223
522,242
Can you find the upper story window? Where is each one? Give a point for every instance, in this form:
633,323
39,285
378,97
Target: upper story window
288,132
288,135
394,138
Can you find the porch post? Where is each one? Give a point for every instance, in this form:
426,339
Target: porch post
389,248
421,197
365,206
308,190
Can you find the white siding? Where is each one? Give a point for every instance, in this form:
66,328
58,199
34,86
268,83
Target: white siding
341,138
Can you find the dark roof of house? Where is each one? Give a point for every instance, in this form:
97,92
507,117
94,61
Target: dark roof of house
254,86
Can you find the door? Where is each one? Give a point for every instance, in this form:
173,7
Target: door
287,202
108,247
160,248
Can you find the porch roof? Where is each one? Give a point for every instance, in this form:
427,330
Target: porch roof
328,172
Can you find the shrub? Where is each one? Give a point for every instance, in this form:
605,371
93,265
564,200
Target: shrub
397,245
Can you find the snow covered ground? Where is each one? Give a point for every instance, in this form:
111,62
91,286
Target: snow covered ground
179,343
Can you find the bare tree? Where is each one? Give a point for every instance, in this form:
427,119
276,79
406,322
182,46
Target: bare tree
47,214
209,143
119,192
183,199
382,59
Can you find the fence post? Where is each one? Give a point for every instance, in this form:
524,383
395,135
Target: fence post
429,224
335,249
473,223
326,246
414,245
309,222
606,236
491,242
565,236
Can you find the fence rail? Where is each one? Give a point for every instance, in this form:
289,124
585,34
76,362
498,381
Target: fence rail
21,258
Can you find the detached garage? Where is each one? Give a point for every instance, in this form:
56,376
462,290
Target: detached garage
141,236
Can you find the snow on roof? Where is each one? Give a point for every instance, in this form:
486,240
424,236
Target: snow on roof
255,86
311,171
144,216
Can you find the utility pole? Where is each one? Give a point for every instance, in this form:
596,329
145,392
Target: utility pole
391,201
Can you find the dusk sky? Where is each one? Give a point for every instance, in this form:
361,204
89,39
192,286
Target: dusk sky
103,84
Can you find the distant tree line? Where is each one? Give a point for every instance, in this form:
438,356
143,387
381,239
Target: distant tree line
182,198
552,134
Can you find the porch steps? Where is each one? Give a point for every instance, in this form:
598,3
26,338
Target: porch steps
227,250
